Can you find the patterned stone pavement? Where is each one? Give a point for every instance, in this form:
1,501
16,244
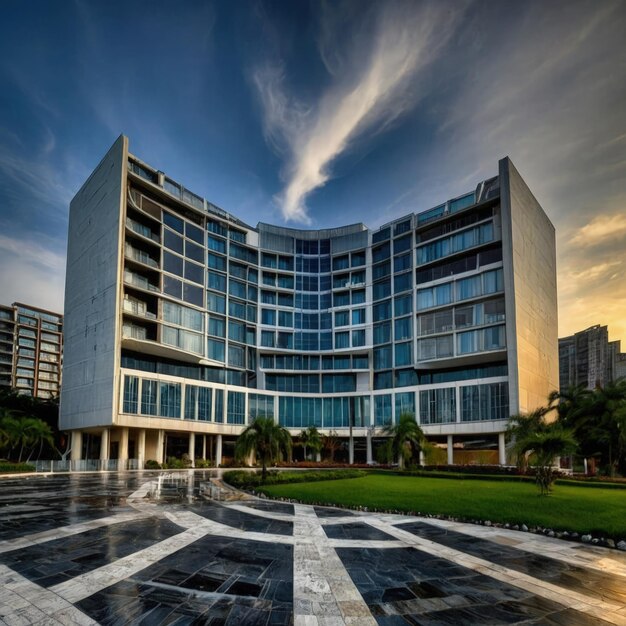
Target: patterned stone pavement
148,548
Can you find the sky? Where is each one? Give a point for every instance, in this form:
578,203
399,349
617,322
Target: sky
320,114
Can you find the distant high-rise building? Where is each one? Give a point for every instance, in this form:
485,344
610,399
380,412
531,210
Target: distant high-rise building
588,358
31,347
183,324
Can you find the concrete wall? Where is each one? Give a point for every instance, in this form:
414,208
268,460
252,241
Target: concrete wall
529,261
91,359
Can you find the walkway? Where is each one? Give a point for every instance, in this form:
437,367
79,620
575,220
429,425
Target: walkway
134,548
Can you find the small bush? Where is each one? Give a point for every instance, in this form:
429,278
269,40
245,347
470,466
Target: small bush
250,480
203,463
6,467
151,464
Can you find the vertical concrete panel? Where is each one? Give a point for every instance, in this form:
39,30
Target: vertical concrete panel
529,259
89,392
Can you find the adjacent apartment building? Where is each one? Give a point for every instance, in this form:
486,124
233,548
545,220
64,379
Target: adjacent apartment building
31,349
588,358
183,323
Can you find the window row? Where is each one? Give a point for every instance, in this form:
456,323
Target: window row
455,243
466,288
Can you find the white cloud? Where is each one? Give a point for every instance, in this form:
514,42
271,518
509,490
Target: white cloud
373,81
31,273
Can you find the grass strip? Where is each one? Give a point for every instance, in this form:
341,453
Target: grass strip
571,507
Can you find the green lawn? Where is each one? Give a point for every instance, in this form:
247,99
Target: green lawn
583,509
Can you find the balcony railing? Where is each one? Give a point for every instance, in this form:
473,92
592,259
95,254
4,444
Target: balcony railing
140,256
142,230
139,281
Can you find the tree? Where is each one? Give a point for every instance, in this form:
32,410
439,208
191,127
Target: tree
523,426
546,443
311,438
266,439
598,420
331,444
407,438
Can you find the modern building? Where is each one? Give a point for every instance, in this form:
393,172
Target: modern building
31,349
183,323
588,358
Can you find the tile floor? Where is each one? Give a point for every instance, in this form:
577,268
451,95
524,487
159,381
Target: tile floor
148,548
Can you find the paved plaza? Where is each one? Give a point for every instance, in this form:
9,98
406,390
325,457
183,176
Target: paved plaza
150,548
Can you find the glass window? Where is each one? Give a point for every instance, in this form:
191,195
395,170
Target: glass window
402,282
215,244
217,326
216,350
402,244
341,262
193,251
237,289
175,223
405,404
183,316
342,340
358,296
381,253
149,397
236,412
131,392
403,328
268,316
438,406
358,258
236,309
403,355
172,263
403,305
493,281
341,299
382,333
285,318
358,338
382,358
216,281
173,241
195,233
382,311
216,262
173,287
193,294
342,318
405,378
215,302
358,316
194,272
236,356
468,288
169,399
267,338
401,263
381,289
237,331
382,410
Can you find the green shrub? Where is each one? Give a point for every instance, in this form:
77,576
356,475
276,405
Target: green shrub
6,467
250,480
151,464
203,463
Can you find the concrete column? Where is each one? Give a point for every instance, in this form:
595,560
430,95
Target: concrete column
141,447
318,456
368,445
77,445
218,451
192,448
204,447
501,449
104,446
159,447
351,451
123,444
450,448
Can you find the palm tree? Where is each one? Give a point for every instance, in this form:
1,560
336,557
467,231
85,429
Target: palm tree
266,439
407,438
311,438
546,443
521,427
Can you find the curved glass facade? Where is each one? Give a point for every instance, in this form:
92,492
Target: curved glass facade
333,328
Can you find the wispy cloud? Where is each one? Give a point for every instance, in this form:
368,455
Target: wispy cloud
600,229
373,82
32,272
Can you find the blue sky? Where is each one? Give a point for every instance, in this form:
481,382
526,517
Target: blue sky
317,114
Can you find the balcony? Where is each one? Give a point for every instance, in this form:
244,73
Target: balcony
138,308
140,256
130,278
140,229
